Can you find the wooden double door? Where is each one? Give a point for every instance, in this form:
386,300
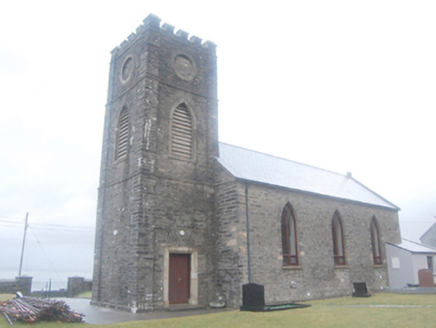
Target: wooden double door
179,278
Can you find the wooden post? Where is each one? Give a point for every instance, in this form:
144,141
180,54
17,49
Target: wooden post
22,248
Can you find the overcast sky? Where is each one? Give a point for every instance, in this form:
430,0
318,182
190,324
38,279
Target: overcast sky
341,85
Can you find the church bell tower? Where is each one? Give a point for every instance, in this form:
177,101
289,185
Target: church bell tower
154,237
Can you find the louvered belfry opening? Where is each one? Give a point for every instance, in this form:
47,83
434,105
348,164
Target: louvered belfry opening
123,133
181,134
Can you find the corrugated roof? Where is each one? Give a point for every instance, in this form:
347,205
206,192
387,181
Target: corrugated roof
258,167
413,247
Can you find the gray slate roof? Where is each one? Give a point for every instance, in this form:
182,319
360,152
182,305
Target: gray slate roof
413,247
262,168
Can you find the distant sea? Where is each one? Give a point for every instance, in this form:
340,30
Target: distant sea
41,279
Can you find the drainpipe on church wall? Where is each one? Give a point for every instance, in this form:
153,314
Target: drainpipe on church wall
248,232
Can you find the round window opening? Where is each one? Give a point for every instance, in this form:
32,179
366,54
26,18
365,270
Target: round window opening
184,67
127,70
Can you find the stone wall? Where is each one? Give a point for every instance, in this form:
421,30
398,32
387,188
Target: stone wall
21,284
231,247
316,276
78,285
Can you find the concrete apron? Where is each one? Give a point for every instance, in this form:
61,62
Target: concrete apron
103,315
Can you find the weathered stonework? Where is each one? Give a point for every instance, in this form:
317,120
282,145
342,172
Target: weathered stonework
149,196
316,276
155,203
21,284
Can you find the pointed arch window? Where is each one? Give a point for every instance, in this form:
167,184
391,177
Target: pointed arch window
289,236
122,134
338,240
182,132
375,240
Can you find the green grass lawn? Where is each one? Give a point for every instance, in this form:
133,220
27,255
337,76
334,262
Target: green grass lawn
84,295
380,310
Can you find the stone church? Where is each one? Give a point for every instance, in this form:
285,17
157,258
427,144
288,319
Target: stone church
184,220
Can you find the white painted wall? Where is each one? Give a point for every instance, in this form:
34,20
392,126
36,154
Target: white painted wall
400,267
403,266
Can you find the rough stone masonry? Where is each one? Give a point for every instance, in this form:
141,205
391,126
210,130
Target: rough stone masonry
172,216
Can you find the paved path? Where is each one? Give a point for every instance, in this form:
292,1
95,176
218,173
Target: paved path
101,315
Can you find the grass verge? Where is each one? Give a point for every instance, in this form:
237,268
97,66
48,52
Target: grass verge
84,295
380,310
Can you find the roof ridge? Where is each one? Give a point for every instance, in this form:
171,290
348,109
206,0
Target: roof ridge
295,175
411,241
420,244
288,160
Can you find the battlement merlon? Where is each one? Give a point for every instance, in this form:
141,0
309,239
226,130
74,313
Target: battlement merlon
152,21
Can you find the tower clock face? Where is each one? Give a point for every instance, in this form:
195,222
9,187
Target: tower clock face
184,67
127,69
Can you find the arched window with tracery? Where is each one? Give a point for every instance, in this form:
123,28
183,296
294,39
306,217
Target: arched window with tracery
338,240
182,132
289,236
122,139
375,241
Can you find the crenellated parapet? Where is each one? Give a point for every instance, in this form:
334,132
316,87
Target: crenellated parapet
156,186
152,21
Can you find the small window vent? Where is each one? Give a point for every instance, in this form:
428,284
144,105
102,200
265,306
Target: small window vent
181,134
123,134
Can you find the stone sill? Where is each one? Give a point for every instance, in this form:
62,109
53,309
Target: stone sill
292,267
376,266
340,267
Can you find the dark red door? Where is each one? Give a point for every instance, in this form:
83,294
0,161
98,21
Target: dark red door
179,283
